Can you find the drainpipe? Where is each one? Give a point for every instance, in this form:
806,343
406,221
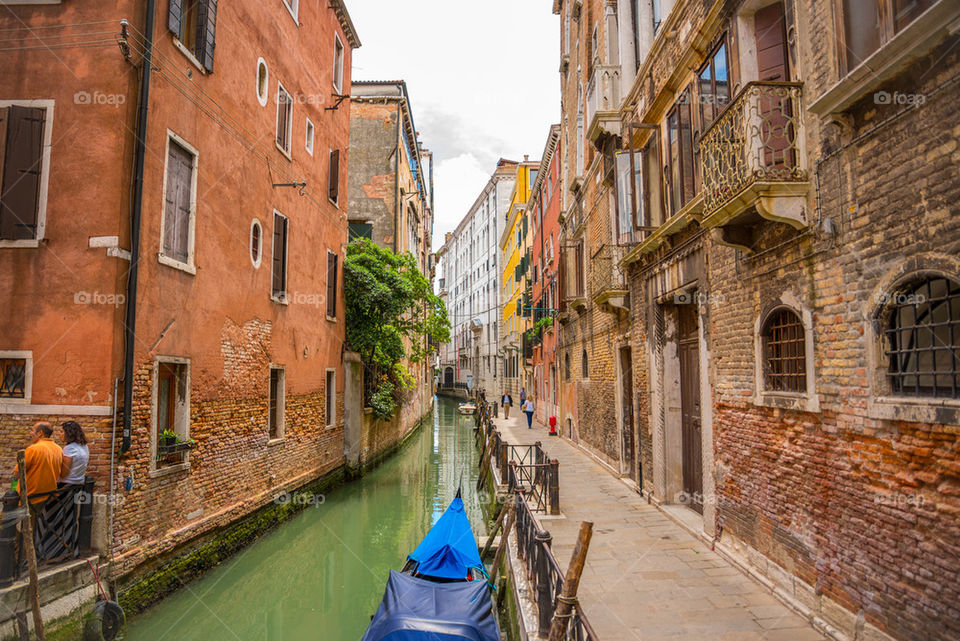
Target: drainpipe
130,320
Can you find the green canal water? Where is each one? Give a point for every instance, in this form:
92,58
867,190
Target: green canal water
321,575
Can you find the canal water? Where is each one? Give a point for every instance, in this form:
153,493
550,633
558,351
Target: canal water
321,575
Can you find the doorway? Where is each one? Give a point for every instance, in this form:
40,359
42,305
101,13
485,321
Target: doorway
688,353
626,403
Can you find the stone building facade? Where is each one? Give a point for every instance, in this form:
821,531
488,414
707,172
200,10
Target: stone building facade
223,248
784,174
470,287
390,198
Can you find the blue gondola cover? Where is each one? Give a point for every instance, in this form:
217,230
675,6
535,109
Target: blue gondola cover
448,550
419,610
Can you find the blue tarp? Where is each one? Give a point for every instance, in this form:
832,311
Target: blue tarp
449,549
419,610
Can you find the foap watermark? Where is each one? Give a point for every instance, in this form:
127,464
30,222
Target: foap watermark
308,99
898,98
303,298
98,298
900,298
99,98
82,498
699,298
300,499
899,499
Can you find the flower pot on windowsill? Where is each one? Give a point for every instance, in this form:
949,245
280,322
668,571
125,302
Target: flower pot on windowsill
168,452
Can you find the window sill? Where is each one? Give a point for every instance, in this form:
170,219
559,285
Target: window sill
293,14
163,259
915,410
280,300
170,469
333,202
30,243
285,152
887,61
332,319
331,427
189,54
276,441
788,401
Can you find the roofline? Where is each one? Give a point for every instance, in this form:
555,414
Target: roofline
346,23
557,5
553,137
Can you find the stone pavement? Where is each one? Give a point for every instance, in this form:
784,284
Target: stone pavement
646,577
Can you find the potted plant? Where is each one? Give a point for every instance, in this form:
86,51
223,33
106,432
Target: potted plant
170,445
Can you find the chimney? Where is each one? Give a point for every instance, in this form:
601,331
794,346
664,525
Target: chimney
526,157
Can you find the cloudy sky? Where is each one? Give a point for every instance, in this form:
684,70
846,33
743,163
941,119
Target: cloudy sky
483,80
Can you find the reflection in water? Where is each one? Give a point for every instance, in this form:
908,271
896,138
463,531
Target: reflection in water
321,575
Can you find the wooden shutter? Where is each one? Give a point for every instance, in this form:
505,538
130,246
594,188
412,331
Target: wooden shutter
22,164
206,28
279,285
175,16
333,180
177,205
772,53
332,260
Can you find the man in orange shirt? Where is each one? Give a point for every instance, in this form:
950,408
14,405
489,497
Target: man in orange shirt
42,460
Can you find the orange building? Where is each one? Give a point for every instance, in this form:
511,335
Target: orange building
171,239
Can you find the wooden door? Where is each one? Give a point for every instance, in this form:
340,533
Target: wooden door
776,111
626,436
689,354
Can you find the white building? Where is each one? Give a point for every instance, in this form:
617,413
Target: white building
469,279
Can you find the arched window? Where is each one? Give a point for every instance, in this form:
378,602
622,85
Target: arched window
584,365
566,366
256,242
922,338
784,352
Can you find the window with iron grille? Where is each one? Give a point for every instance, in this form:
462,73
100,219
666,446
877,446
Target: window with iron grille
922,338
784,350
13,377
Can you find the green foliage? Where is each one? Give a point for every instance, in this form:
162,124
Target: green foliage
392,314
539,326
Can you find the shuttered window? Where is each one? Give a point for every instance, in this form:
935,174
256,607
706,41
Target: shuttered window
333,177
178,203
332,260
194,23
680,157
279,273
284,118
21,163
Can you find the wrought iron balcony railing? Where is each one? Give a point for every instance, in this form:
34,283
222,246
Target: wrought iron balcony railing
757,139
603,96
606,280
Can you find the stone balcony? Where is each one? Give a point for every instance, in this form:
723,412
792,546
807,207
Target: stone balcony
603,102
754,163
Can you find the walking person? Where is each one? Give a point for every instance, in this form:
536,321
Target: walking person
506,400
523,396
528,409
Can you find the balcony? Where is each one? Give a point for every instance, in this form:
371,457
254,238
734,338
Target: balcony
608,287
754,163
603,102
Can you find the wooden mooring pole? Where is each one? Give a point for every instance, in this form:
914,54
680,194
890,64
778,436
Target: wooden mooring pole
34,589
568,598
496,527
501,549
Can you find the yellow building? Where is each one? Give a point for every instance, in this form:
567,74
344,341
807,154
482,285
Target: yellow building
515,279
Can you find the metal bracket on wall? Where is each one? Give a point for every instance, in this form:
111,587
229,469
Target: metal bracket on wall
340,98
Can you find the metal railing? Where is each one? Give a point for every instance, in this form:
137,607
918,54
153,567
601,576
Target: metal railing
603,91
545,575
604,270
756,138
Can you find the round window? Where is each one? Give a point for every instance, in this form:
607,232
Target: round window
256,242
263,82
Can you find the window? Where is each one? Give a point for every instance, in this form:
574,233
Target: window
308,142
24,167
293,6
657,7
360,230
284,119
332,260
680,153
331,396
263,82
630,213
867,26
279,272
333,176
179,205
714,85
277,402
337,64
15,375
194,23
784,352
566,366
922,338
256,242
533,178
585,365
171,410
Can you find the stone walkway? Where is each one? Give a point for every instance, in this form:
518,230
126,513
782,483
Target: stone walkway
646,577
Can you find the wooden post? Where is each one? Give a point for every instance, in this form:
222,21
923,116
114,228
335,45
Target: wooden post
29,548
503,543
571,582
554,487
493,532
484,462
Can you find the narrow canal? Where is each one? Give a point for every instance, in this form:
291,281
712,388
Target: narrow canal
321,575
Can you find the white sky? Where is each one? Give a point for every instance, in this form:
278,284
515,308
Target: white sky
483,79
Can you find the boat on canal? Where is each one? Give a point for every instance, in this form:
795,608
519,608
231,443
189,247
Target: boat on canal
442,592
467,408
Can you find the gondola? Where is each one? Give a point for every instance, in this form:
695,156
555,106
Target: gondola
442,592
467,408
